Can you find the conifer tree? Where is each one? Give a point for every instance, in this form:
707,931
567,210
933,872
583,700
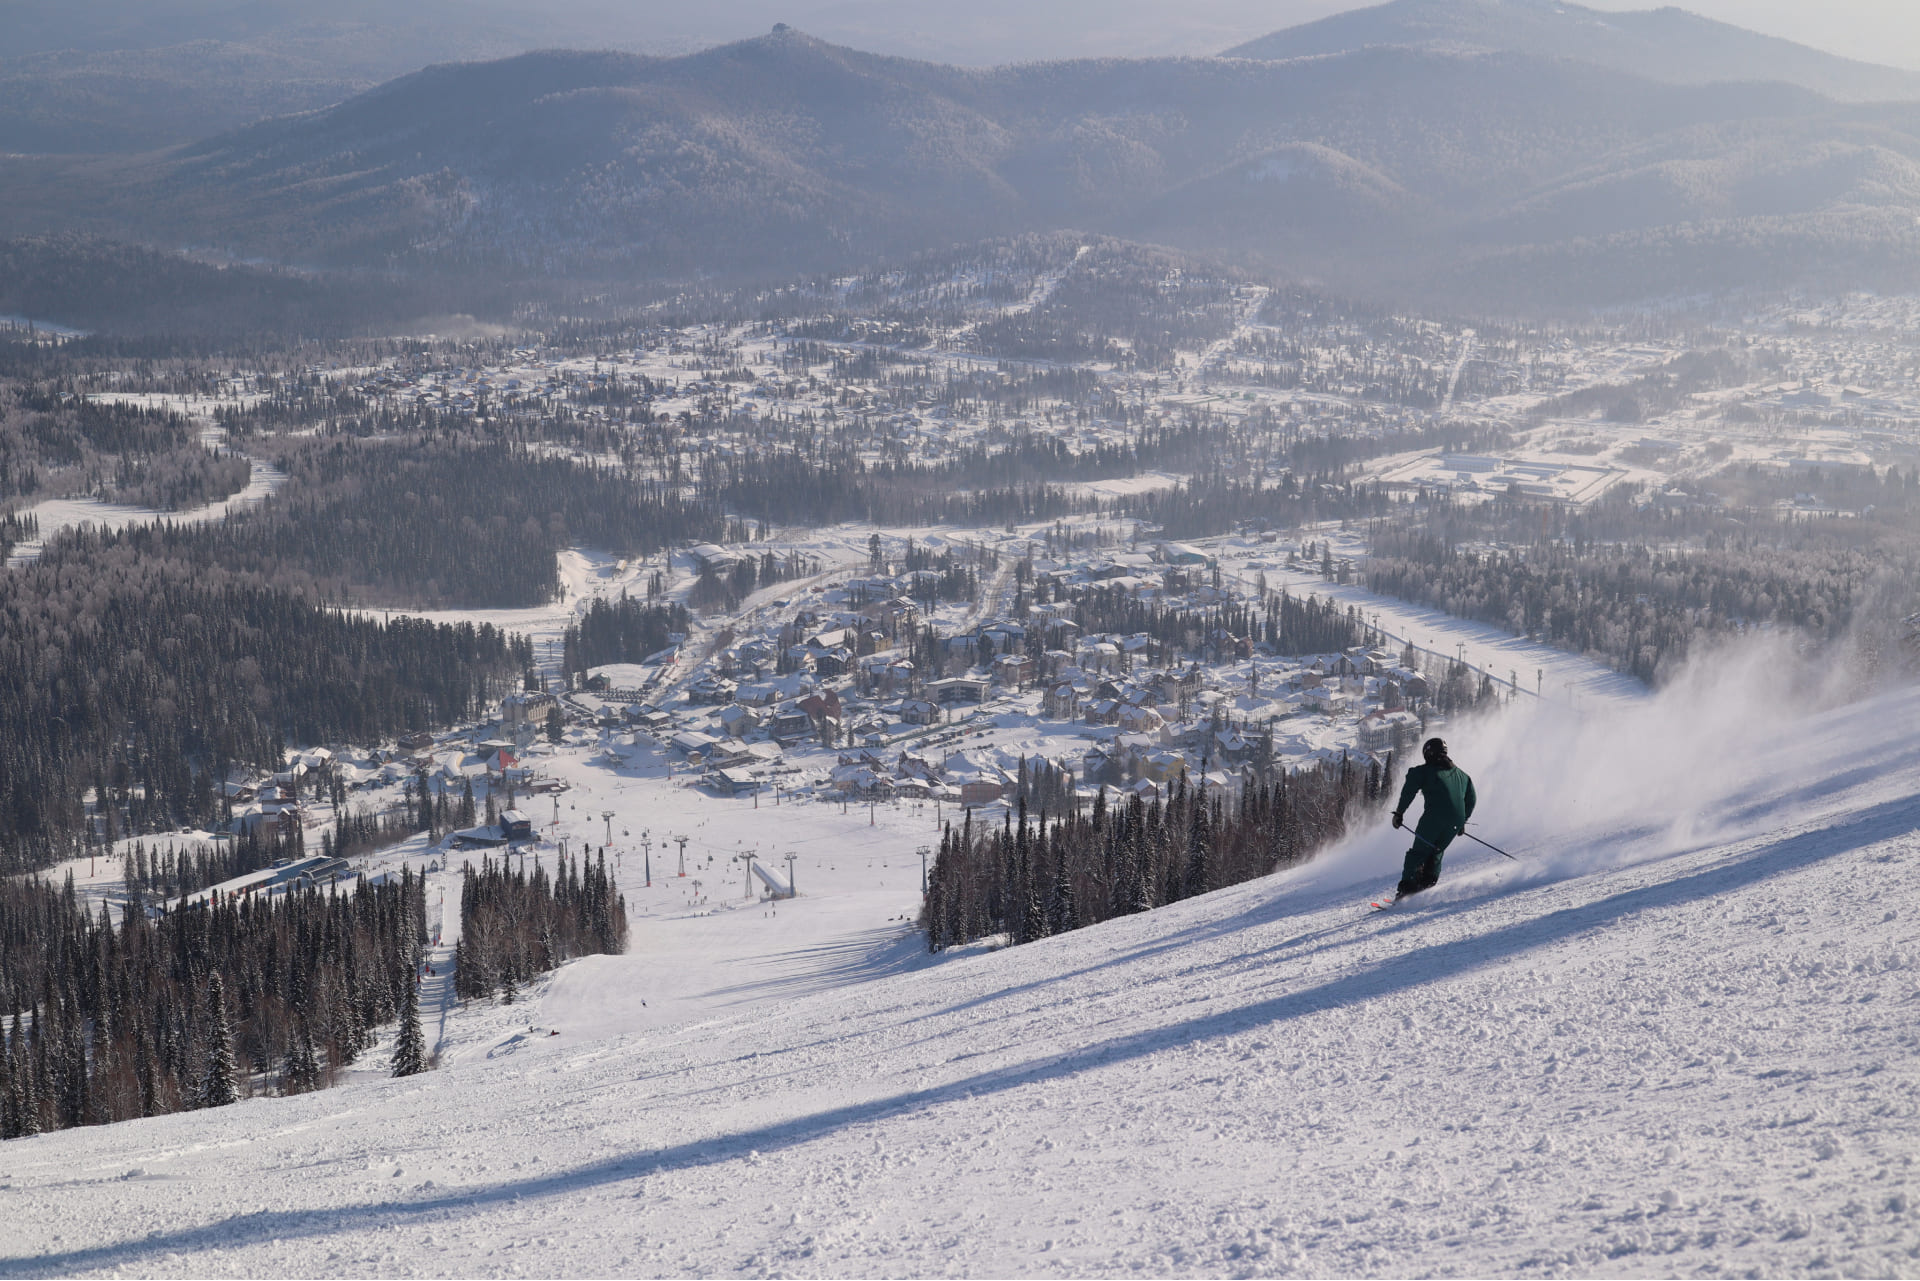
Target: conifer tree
27,1104
217,1088
410,1048
1199,869
302,1070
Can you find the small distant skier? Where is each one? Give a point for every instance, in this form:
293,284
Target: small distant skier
1449,804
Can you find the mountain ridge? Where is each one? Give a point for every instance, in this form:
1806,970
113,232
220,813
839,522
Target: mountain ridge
1384,167
1668,44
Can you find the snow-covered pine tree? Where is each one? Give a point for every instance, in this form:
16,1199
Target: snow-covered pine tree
302,1070
27,1104
10,1098
410,1047
217,1083
1198,874
1063,914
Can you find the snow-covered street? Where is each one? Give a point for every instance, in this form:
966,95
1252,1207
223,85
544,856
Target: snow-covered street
1677,1038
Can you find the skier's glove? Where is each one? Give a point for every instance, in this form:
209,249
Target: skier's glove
1396,820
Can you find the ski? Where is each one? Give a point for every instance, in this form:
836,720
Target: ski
1379,906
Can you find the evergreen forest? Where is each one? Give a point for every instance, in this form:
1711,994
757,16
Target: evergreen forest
1073,866
195,1007
516,924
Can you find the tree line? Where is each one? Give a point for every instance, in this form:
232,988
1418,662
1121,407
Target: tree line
155,875
1286,623
144,683
423,522
56,440
1029,879
1636,583
196,1007
620,631
516,924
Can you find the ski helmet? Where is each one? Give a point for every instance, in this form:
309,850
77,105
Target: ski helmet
1435,752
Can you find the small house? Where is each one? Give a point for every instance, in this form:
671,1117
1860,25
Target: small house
733,782
921,711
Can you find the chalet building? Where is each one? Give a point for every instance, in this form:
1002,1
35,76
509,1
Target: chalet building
733,782
530,708
920,711
1061,702
789,725
1012,669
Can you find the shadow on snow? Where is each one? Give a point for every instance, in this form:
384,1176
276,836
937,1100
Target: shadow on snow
1413,969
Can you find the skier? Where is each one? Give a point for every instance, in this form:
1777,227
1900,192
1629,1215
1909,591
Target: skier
1449,804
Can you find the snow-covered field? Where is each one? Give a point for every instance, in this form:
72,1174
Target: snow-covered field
1678,1037
57,514
1554,674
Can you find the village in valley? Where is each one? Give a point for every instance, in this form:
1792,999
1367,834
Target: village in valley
798,586
1118,645
634,645
867,689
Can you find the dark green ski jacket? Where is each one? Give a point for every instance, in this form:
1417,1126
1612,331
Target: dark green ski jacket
1449,797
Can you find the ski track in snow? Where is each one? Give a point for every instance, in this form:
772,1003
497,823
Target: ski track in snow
1678,1039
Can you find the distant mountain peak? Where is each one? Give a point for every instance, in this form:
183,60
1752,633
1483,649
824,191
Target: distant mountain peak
1667,44
1515,170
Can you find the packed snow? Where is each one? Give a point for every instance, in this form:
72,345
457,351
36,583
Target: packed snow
1676,1037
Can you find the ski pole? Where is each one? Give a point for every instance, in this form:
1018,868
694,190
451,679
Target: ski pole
1489,844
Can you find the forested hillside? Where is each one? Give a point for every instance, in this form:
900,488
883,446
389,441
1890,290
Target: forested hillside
1639,584
1384,167
145,680
55,441
419,522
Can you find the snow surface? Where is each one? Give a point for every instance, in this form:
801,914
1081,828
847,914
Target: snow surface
1536,667
58,514
1677,1038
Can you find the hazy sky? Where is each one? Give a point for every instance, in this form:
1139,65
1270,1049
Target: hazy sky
972,31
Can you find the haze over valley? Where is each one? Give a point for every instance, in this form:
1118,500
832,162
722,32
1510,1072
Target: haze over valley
790,640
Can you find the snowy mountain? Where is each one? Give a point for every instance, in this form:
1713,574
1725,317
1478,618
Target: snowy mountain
1668,44
1677,1036
1384,168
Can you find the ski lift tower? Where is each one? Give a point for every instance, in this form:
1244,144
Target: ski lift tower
608,816
683,853
746,861
793,886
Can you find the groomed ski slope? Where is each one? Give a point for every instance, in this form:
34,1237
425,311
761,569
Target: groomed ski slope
1679,1038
